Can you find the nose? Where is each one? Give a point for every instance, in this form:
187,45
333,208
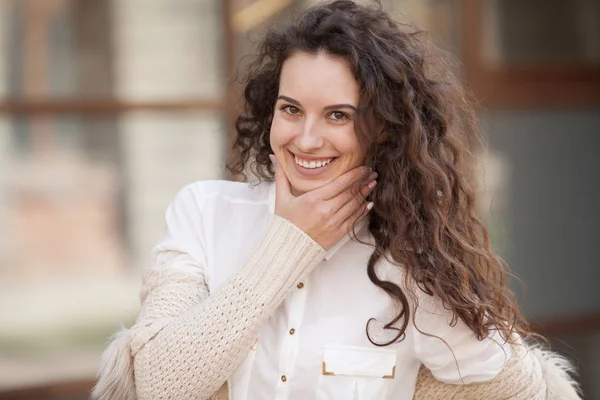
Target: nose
310,138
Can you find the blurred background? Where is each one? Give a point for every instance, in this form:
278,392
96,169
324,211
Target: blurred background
108,107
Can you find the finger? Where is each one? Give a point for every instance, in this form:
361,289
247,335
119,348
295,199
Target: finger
358,215
282,184
357,202
342,182
352,193
368,188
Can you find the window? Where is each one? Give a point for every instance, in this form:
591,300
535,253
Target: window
107,108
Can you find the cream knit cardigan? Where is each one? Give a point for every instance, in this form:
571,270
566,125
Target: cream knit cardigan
185,343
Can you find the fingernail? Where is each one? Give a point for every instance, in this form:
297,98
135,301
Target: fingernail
373,176
372,184
370,205
273,159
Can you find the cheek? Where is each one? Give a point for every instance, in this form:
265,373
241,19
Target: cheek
349,146
281,133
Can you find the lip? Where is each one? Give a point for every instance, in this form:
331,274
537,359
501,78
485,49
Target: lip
310,158
311,172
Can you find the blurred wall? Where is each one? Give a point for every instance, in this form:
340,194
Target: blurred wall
552,221
167,51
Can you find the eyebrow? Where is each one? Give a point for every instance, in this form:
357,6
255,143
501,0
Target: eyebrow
331,107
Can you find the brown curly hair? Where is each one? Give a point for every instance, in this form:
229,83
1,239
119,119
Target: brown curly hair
418,127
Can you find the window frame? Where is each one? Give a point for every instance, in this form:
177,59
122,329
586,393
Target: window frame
522,86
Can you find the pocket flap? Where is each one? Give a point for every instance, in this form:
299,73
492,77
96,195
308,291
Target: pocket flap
359,361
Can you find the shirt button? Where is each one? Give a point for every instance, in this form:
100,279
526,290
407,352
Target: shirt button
300,285
283,378
292,331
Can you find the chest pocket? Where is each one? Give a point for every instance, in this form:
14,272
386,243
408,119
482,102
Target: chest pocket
355,373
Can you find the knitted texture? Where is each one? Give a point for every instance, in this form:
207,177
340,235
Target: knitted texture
532,373
185,343
165,293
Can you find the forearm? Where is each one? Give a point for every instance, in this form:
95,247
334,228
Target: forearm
520,379
193,354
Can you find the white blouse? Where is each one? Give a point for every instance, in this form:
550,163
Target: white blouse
315,345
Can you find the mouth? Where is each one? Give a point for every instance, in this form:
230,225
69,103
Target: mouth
312,166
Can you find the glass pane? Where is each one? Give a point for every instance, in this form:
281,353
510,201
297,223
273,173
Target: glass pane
82,202
542,31
132,50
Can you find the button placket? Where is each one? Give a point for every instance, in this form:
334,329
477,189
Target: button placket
289,346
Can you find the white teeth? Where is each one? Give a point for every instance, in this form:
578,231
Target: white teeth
312,164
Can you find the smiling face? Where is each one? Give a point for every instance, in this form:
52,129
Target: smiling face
312,133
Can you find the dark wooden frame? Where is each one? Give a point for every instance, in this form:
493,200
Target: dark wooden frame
59,390
103,107
569,324
522,86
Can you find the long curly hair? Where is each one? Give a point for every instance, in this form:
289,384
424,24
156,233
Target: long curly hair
418,127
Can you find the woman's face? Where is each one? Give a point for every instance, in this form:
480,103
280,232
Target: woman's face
312,133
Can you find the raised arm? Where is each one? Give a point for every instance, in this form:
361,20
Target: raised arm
193,354
186,343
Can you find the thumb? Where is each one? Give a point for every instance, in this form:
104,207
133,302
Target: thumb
282,185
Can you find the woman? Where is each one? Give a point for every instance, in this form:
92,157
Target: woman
362,271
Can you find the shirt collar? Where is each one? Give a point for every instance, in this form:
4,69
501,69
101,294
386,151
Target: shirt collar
331,252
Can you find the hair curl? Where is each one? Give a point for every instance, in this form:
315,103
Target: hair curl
418,127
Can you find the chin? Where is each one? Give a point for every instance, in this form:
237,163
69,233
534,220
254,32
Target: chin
300,187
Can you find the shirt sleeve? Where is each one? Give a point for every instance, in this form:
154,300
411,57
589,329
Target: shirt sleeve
452,352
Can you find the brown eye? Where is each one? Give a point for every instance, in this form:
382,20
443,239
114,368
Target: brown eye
291,110
338,116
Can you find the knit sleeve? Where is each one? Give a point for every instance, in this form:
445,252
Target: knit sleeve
533,373
186,341
451,351
520,379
